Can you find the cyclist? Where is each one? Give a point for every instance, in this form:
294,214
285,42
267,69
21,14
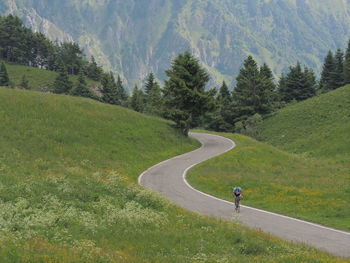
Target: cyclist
237,195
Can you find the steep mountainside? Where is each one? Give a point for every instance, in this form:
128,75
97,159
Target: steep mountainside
135,37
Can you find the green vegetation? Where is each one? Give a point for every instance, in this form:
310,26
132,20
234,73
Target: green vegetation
277,181
317,128
67,192
38,79
20,45
310,180
185,96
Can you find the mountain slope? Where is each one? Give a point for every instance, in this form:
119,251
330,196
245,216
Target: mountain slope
318,127
138,36
68,168
39,79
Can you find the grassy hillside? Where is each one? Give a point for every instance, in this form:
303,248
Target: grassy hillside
308,178
310,189
318,127
67,192
39,79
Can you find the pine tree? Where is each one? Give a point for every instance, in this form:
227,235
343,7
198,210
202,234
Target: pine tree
252,93
282,88
298,84
153,96
308,87
346,72
185,96
121,95
293,84
151,83
93,70
339,68
108,91
24,82
4,77
62,84
224,97
81,88
328,76
137,100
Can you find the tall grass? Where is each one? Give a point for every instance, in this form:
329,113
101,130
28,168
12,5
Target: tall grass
68,168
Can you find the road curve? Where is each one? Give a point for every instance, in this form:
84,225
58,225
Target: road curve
168,178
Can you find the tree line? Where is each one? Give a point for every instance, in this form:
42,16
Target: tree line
184,97
20,45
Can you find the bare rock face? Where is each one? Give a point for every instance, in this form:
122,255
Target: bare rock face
136,37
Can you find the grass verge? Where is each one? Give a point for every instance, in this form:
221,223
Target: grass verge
306,188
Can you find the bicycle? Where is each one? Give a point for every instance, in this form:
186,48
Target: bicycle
237,204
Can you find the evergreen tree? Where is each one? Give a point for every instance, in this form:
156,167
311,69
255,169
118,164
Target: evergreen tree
252,93
224,97
184,92
298,84
328,77
308,87
266,74
108,91
62,84
4,77
339,68
153,96
346,71
121,95
93,71
151,83
282,88
222,118
24,82
81,88
71,55
137,100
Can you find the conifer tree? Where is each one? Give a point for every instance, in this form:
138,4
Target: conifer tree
185,96
224,97
93,70
339,68
108,91
81,88
24,82
4,77
252,93
153,96
121,95
298,84
62,84
346,71
308,84
137,100
328,76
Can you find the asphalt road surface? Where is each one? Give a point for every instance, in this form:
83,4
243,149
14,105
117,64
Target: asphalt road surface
168,178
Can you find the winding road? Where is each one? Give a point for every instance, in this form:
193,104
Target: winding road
168,178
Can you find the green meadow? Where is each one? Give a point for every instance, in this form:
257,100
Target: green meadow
68,192
318,127
38,79
304,175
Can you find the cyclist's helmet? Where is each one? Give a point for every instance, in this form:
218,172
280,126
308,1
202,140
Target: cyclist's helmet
237,190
